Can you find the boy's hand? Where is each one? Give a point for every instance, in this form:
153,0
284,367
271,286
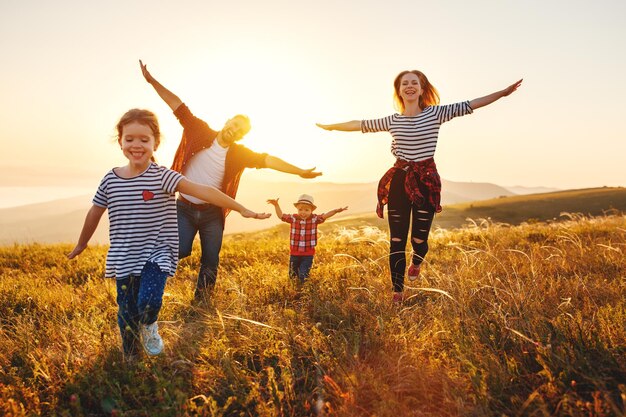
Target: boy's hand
340,209
273,201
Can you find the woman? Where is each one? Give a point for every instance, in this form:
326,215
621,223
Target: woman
412,187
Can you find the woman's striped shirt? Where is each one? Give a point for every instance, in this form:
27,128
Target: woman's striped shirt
415,137
142,220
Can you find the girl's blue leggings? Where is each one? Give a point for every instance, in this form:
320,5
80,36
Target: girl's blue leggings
139,300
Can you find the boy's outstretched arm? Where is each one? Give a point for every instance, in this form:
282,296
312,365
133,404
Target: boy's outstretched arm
274,202
170,98
89,227
333,212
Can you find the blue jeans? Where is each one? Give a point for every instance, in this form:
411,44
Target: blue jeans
210,224
139,300
300,266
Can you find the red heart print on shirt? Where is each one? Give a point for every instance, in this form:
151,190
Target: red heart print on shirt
147,195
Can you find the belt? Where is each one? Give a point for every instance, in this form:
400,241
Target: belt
201,207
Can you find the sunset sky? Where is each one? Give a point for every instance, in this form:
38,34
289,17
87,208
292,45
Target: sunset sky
70,69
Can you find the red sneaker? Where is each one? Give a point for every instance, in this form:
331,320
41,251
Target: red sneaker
398,297
414,272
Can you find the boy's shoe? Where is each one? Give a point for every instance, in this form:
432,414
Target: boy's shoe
398,297
414,272
151,340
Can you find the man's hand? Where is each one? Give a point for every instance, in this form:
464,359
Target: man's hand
310,173
145,72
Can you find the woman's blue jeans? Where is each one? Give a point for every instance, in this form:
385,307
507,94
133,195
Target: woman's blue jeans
139,300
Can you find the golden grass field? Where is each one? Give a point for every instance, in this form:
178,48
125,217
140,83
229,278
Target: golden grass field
524,320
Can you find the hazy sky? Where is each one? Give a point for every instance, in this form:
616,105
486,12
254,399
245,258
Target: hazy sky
69,70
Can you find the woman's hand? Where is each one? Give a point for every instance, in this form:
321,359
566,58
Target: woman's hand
511,88
325,127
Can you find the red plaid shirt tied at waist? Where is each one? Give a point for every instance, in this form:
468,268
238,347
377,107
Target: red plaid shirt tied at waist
421,172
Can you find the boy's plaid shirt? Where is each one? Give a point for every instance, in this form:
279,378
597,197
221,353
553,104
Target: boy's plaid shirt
303,235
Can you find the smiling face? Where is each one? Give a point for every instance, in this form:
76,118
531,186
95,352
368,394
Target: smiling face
304,211
235,129
410,88
138,144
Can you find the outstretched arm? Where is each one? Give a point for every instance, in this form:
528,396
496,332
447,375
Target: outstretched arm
170,98
278,164
483,101
351,126
89,227
214,196
333,212
274,202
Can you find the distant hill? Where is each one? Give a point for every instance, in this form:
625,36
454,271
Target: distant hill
62,220
518,209
517,189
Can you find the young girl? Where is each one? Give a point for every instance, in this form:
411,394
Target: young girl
412,186
142,228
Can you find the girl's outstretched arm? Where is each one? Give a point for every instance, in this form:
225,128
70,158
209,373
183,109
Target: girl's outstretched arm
351,126
214,196
274,202
483,101
89,227
170,98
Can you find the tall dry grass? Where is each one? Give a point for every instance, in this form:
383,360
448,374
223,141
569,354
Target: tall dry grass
505,321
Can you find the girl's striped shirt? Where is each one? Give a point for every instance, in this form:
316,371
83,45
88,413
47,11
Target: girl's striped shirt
142,220
415,137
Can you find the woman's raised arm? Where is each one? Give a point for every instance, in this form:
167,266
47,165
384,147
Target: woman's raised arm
351,126
483,101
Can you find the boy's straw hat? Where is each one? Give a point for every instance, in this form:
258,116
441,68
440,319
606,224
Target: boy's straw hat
305,199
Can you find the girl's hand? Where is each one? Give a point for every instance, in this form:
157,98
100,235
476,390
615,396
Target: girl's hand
77,251
252,215
273,201
511,88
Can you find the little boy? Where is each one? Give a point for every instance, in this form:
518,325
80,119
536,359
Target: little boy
303,234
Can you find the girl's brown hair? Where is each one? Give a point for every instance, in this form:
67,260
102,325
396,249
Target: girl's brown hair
429,97
144,117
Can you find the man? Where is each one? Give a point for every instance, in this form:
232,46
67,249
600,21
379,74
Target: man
213,158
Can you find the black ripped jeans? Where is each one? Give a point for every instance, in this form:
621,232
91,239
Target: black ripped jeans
401,214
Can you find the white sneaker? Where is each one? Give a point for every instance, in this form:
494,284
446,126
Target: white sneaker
150,339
